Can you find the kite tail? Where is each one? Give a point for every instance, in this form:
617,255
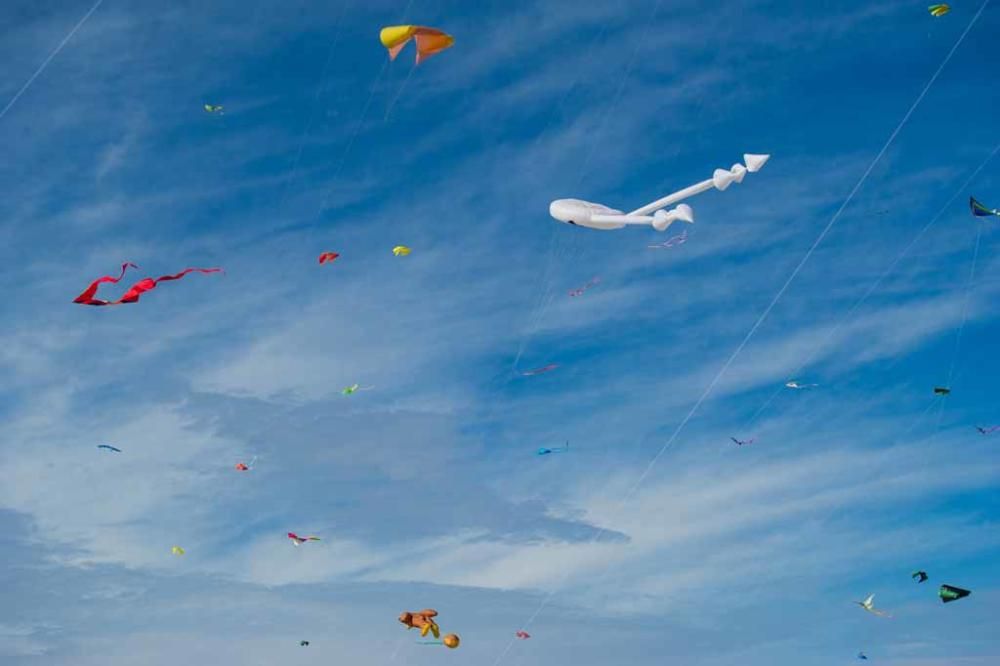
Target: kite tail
147,284
87,297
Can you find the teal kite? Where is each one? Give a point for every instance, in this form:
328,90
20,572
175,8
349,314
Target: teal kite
979,210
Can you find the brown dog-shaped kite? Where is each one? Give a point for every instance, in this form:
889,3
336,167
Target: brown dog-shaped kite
422,620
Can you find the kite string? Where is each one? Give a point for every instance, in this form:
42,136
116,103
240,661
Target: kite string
45,63
876,284
774,301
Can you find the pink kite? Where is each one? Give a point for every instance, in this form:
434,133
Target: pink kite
580,290
297,540
540,371
327,256
136,290
523,635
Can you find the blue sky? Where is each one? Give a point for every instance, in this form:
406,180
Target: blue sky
426,489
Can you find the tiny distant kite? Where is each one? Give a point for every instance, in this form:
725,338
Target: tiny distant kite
670,242
298,541
354,388
941,390
919,576
579,291
177,550
213,108
401,251
523,635
429,41
327,256
979,210
987,430
950,593
558,449
939,10
795,385
243,467
861,655
422,620
136,290
869,605
740,442
540,371
303,643
109,448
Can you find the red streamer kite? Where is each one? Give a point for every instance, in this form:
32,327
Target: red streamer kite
136,290
327,256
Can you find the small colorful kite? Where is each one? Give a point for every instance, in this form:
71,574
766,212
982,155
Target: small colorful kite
559,449
354,388
177,550
795,385
581,290
429,41
303,643
949,593
298,541
941,390
740,442
869,605
670,242
401,251
109,448
540,371
939,10
919,576
523,635
987,430
136,290
213,108
243,467
979,210
327,256
422,620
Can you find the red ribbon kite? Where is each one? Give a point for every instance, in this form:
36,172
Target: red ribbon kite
327,256
136,290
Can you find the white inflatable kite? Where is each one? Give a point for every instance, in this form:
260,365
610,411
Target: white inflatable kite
597,216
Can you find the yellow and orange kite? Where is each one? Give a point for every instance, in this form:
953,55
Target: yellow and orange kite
429,41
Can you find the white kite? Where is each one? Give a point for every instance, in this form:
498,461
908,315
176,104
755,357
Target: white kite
869,605
795,385
597,216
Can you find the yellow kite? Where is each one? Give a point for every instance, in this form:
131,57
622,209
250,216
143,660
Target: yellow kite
939,10
177,550
430,41
401,251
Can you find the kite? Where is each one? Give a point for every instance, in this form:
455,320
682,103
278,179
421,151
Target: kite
303,643
354,388
243,467
670,242
297,540
422,620
523,635
941,390
559,449
177,550
987,430
939,10
869,605
861,655
740,442
327,256
922,575
795,385
979,210
580,213
109,448
136,290
213,108
950,593
540,371
429,41
580,290
401,251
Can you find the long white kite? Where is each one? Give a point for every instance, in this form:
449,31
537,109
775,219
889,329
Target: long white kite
597,216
